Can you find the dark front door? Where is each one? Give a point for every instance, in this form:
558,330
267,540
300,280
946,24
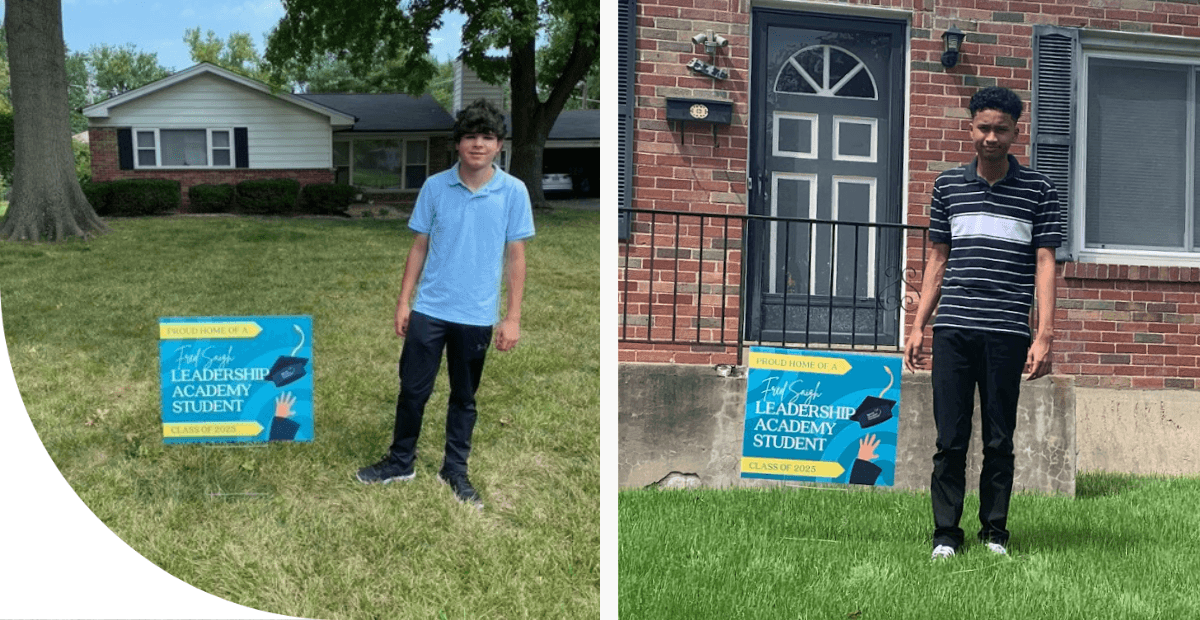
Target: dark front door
826,145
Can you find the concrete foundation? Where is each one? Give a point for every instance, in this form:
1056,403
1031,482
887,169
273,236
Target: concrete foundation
682,426
1139,431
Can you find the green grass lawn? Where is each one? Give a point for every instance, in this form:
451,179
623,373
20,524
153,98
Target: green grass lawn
285,527
1124,548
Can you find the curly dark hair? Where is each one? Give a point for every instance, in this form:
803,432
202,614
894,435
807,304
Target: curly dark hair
482,116
996,98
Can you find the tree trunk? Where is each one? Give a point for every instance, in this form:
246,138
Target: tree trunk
529,127
46,201
532,119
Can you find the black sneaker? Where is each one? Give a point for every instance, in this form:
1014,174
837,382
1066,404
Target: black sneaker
385,471
462,488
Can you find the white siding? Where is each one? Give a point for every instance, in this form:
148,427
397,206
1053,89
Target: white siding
281,134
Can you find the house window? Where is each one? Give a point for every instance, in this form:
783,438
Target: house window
1140,145
387,163
1114,125
415,163
341,162
184,148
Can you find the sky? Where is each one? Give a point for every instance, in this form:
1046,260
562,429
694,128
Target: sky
158,25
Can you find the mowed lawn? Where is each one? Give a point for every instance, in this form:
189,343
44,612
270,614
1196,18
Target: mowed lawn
285,527
1124,548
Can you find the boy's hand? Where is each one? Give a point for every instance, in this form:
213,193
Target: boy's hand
914,357
1039,360
402,314
507,334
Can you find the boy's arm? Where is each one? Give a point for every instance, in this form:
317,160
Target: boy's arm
412,273
509,330
1039,360
931,292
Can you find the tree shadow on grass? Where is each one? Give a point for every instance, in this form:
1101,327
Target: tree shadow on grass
1092,485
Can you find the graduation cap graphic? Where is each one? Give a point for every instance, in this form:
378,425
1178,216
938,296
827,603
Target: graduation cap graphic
876,410
289,368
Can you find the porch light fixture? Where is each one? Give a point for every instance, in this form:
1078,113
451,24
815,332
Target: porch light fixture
953,38
710,41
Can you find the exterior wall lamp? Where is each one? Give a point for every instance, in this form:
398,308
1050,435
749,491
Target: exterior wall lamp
710,42
953,39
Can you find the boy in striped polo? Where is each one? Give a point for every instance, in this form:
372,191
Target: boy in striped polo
993,225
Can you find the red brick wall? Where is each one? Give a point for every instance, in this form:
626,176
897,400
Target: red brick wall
686,170
1117,326
105,167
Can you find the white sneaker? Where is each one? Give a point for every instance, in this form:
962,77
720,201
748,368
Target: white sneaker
942,551
997,548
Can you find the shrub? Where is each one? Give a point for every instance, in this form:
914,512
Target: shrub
134,197
269,196
6,146
212,198
327,198
97,195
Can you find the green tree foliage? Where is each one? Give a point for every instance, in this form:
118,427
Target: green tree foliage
237,53
551,60
116,70
327,73
5,79
499,43
106,71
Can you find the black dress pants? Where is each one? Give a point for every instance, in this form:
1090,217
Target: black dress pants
466,347
962,361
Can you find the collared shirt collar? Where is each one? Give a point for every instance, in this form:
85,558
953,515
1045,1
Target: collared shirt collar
455,179
971,175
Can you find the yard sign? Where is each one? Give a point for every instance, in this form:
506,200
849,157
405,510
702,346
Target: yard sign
821,416
236,379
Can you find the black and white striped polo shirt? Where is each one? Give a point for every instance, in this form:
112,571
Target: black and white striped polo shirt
993,232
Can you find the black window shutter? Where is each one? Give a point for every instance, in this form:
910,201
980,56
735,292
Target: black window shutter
626,59
125,149
1055,56
241,148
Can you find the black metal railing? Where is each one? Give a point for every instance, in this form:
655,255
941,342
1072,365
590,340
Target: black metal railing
737,280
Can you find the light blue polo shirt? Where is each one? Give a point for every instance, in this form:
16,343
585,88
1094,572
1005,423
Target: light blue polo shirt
467,233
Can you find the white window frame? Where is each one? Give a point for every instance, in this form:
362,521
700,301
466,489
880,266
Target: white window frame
872,123
403,167
814,124
871,183
209,149
1135,52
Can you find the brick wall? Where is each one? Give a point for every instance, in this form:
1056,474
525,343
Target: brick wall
1117,326
686,170
105,167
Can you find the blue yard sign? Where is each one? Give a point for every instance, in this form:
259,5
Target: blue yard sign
821,416
236,379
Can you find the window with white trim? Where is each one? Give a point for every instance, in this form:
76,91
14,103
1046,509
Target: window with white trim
183,148
1139,137
1115,124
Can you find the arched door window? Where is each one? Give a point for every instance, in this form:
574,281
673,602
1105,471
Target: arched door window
826,71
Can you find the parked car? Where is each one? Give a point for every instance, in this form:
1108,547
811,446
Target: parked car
557,183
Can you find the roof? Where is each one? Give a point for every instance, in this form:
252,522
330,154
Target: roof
388,112
104,108
576,125
398,112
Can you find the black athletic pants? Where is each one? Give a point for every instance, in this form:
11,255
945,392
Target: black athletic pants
962,361
466,347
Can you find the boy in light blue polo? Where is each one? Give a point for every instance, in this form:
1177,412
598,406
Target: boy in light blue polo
471,223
